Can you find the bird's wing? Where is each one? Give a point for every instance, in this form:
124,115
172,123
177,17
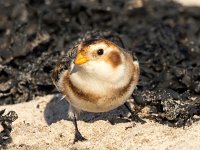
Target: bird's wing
63,64
133,56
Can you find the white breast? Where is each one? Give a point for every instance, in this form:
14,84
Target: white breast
99,77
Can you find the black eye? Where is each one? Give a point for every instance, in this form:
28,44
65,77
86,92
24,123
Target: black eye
100,52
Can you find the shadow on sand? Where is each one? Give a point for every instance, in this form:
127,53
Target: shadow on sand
57,109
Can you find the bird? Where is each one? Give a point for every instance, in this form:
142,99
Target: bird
96,75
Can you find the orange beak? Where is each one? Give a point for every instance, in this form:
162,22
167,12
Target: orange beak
80,59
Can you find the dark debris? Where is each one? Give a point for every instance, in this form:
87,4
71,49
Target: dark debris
169,106
6,123
164,35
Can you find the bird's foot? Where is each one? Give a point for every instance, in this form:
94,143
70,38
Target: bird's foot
136,118
78,137
134,115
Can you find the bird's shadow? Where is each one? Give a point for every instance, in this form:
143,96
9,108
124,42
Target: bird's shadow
57,108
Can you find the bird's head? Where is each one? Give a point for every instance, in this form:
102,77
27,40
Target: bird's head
100,58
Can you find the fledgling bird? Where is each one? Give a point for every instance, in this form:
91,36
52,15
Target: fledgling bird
96,76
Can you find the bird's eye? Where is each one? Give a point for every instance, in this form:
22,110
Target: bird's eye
100,52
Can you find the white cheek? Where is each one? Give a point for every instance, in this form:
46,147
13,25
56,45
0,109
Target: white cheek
99,68
102,70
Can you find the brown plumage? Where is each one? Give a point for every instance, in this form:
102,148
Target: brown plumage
99,77
114,59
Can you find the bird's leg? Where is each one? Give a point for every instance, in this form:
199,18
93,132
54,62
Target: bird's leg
134,115
73,113
78,136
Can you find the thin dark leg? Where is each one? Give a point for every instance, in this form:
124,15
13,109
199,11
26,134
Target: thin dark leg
134,115
78,136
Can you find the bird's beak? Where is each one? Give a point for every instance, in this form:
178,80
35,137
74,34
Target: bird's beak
80,59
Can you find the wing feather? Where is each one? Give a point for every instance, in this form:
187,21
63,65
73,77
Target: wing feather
64,64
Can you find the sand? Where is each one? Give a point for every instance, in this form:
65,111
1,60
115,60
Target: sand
43,124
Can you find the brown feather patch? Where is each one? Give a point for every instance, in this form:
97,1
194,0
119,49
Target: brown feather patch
79,93
86,44
136,72
114,59
90,42
124,89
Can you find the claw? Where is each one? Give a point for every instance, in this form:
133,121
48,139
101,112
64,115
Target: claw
134,115
78,137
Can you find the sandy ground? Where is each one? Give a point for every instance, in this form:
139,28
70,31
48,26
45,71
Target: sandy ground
43,124
189,2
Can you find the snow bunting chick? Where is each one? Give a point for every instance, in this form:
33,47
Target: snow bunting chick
99,77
